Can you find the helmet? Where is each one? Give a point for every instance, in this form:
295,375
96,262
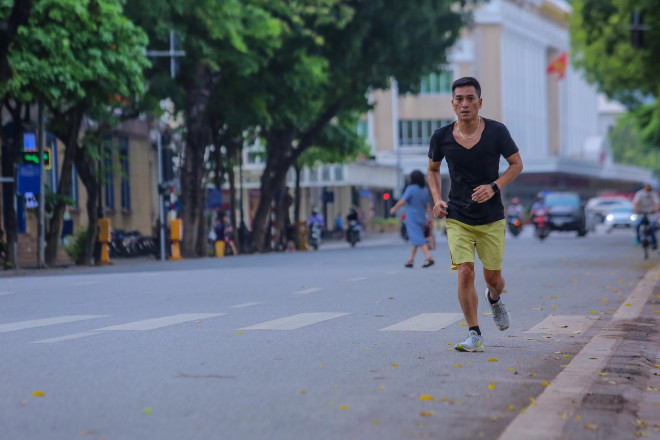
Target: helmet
515,200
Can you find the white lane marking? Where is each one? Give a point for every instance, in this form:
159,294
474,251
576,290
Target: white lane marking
85,283
295,322
306,291
32,323
563,324
426,322
65,338
250,304
392,272
357,279
9,292
566,391
150,324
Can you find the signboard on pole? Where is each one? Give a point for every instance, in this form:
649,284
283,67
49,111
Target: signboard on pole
29,179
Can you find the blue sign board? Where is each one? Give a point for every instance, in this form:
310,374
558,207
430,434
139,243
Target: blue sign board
29,179
29,142
214,198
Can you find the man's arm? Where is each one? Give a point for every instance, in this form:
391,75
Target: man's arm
435,185
483,193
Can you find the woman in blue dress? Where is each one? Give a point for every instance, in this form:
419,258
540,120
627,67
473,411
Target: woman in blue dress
418,209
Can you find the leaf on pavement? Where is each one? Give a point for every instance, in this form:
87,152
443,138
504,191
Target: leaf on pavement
38,393
148,410
426,397
426,413
458,366
303,392
591,426
493,360
511,408
545,384
492,385
395,364
343,407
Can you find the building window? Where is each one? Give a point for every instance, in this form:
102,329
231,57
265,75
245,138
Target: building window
419,132
109,176
437,83
325,174
363,128
125,174
339,173
74,186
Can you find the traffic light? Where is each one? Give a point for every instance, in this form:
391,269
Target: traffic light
33,157
386,196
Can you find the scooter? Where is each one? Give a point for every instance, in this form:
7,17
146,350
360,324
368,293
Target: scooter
353,232
314,238
540,220
515,225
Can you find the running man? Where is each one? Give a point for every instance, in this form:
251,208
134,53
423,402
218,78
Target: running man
472,146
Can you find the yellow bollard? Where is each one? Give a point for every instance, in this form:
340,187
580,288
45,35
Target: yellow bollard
104,238
219,248
176,233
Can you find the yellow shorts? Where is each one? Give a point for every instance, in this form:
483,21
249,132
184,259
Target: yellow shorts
487,239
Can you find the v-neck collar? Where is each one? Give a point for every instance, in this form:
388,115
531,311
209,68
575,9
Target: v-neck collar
476,143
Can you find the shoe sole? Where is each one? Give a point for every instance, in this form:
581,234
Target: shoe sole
507,310
467,350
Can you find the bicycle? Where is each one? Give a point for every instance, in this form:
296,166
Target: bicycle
647,234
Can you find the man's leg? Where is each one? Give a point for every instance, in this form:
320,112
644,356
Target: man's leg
467,294
494,282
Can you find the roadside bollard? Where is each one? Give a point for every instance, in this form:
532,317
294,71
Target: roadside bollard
176,234
302,230
104,239
219,248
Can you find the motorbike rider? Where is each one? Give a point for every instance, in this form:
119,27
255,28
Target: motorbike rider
352,221
538,205
515,209
646,203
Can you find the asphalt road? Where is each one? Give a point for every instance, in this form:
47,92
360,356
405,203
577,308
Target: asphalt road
336,344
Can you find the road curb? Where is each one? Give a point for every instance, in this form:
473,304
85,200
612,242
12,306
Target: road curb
556,405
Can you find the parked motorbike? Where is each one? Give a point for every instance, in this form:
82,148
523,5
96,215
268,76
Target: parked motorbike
542,228
314,238
353,232
514,224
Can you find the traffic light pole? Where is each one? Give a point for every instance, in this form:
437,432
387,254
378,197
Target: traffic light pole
161,205
41,233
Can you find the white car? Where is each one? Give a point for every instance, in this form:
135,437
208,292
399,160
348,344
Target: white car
620,217
598,207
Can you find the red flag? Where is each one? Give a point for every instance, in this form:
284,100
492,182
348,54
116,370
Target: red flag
559,65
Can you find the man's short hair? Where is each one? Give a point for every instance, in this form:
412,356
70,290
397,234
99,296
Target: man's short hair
466,81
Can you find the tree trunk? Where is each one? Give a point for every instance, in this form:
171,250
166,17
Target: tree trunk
297,195
10,152
198,138
91,182
70,129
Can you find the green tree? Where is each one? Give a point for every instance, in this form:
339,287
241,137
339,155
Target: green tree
15,13
601,45
80,58
628,142
358,47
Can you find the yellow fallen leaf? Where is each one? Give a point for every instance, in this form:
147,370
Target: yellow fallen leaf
537,308
343,407
38,393
444,400
148,410
604,300
657,366
593,313
627,304
463,324
493,360
575,280
449,343
563,416
426,413
578,417
303,392
375,422
491,386
239,333
591,427
600,373
381,388
533,374
567,356
458,366
425,397
522,410
510,369
511,408
532,401
545,384
395,365
321,364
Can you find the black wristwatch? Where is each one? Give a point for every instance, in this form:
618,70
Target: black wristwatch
495,187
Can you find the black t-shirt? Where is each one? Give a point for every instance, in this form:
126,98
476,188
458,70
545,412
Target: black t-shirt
469,168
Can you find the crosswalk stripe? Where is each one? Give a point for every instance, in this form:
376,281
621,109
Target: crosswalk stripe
65,338
563,324
306,291
150,324
248,304
32,323
425,322
9,292
295,322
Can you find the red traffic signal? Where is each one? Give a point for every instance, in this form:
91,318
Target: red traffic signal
386,196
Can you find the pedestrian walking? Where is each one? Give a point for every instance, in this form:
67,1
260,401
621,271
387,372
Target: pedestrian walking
472,147
418,212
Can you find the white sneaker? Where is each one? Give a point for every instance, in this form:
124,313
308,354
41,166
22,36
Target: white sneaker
474,342
500,313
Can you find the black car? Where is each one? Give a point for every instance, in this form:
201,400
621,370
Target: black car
566,212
